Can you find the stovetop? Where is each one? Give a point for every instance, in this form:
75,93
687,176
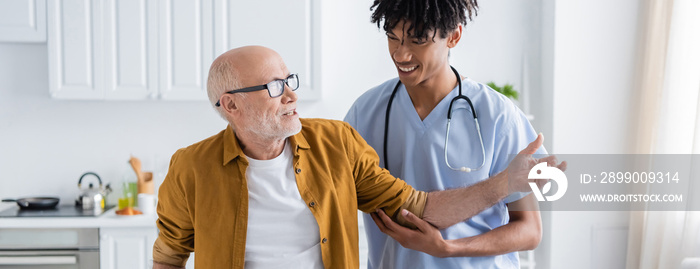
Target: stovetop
59,211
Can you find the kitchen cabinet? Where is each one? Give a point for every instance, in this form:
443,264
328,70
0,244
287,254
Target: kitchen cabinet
129,46
186,48
74,49
102,49
124,241
109,50
127,248
23,21
141,50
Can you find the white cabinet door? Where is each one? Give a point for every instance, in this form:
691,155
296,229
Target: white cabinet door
186,48
140,49
22,21
130,49
75,49
127,248
290,27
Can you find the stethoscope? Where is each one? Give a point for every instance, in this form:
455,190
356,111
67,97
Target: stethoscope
447,135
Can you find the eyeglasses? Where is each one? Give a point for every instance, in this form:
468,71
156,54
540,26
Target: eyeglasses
274,88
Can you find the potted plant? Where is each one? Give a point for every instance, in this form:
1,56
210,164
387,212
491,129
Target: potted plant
506,90
509,92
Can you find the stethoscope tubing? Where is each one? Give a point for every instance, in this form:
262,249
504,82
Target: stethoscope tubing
449,119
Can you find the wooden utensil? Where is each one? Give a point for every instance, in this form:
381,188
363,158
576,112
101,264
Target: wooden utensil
144,180
146,185
136,165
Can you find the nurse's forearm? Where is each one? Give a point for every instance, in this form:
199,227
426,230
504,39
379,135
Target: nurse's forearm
446,208
523,232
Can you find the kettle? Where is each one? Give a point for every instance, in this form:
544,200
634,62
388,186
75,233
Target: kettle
92,198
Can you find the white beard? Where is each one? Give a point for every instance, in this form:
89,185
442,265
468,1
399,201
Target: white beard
269,126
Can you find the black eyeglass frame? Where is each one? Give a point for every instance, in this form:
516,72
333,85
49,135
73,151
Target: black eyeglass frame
266,87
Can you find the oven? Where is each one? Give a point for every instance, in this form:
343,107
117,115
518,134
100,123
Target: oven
74,248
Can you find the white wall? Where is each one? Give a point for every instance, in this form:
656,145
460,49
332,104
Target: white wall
502,44
354,58
595,47
595,44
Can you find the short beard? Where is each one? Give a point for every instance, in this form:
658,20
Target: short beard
267,130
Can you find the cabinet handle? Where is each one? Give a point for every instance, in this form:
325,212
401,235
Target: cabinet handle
38,260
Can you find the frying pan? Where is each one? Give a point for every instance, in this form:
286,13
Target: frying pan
35,202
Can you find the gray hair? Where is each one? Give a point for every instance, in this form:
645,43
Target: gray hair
222,78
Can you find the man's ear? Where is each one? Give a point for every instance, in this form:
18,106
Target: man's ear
229,104
454,37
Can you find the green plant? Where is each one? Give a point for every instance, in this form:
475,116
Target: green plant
506,90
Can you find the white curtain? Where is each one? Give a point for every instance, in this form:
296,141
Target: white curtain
669,123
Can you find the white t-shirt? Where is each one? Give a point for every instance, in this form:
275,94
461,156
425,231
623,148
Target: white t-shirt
282,232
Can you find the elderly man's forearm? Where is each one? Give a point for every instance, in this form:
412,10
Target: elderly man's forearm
446,208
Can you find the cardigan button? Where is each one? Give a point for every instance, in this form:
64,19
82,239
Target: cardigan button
324,240
312,204
298,170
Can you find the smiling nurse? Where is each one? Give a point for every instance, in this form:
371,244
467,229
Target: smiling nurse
411,142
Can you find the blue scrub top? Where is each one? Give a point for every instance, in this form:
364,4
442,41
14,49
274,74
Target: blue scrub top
416,155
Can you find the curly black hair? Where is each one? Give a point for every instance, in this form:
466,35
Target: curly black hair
424,15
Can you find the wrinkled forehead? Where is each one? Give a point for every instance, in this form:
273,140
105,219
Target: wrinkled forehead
275,68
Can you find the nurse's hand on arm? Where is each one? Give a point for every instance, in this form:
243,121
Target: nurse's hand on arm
523,232
446,208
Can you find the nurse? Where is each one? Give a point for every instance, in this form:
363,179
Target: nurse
420,34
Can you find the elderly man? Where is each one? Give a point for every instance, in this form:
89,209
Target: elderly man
274,191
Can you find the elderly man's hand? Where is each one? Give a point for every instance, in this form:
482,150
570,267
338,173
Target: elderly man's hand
518,169
426,238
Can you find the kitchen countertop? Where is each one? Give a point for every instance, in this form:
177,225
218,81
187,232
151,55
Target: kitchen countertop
108,219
